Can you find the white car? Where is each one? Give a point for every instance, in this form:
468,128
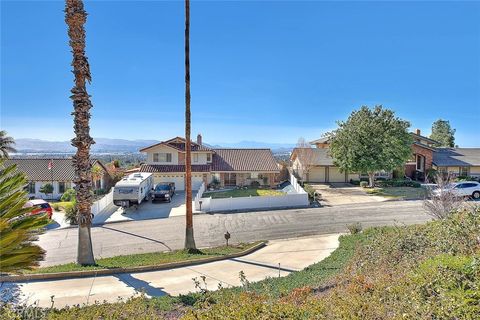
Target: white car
463,189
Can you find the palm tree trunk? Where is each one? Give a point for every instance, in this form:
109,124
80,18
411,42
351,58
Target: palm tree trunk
189,238
75,17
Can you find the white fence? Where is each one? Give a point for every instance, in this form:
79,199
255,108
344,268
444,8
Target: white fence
299,199
294,182
198,197
100,205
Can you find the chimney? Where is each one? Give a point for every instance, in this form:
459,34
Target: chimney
418,132
199,139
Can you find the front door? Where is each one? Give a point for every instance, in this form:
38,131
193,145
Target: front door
230,179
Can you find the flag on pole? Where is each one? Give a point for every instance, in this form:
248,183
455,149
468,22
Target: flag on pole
50,165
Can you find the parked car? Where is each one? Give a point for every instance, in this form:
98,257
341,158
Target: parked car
163,191
462,189
39,207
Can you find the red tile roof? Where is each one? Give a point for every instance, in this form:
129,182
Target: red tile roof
253,160
172,168
37,169
178,143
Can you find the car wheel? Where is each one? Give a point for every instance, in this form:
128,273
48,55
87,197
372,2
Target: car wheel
476,195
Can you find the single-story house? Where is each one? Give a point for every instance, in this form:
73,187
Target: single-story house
58,172
457,161
228,167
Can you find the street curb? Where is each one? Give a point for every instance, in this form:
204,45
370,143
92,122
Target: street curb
104,272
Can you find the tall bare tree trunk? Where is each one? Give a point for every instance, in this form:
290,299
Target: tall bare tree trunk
75,17
189,238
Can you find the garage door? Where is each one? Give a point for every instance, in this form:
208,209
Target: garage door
317,174
334,175
176,178
197,181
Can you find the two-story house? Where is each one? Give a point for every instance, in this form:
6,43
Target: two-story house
426,155
228,167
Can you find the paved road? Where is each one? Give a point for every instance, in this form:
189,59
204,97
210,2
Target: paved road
168,234
292,254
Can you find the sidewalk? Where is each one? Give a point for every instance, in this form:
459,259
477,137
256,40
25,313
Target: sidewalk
278,258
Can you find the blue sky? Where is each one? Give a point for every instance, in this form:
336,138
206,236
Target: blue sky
262,71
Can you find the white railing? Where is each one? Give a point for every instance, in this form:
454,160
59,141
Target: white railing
100,205
198,197
294,182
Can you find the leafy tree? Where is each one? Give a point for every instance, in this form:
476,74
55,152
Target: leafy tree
306,157
6,144
443,133
17,228
75,18
189,238
46,189
371,140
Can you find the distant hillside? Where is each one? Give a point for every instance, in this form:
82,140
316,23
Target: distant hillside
102,145
106,145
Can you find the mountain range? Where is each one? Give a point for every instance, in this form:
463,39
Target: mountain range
107,145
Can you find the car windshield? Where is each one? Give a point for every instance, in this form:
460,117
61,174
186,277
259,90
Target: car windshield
161,187
451,186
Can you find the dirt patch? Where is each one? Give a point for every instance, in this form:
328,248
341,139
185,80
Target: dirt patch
343,193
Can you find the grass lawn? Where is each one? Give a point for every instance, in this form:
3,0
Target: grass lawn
147,259
243,193
398,192
60,205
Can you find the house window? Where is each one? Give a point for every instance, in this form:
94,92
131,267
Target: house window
420,163
464,171
61,187
195,157
162,157
165,157
31,187
209,157
253,175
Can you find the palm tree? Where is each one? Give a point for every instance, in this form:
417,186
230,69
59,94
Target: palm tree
189,238
6,144
75,17
17,228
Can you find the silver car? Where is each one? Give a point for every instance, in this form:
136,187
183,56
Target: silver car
462,189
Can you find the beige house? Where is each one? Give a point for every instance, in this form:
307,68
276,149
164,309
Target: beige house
316,165
229,167
457,161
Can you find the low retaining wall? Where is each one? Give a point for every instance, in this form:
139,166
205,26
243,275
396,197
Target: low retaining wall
241,203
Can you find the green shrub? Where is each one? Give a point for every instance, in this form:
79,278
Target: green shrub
255,184
354,228
309,189
466,178
99,192
397,183
363,184
68,195
71,213
55,206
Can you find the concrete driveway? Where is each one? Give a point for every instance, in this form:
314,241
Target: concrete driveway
278,258
343,193
146,210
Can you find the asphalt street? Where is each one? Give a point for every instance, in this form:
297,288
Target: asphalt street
168,234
